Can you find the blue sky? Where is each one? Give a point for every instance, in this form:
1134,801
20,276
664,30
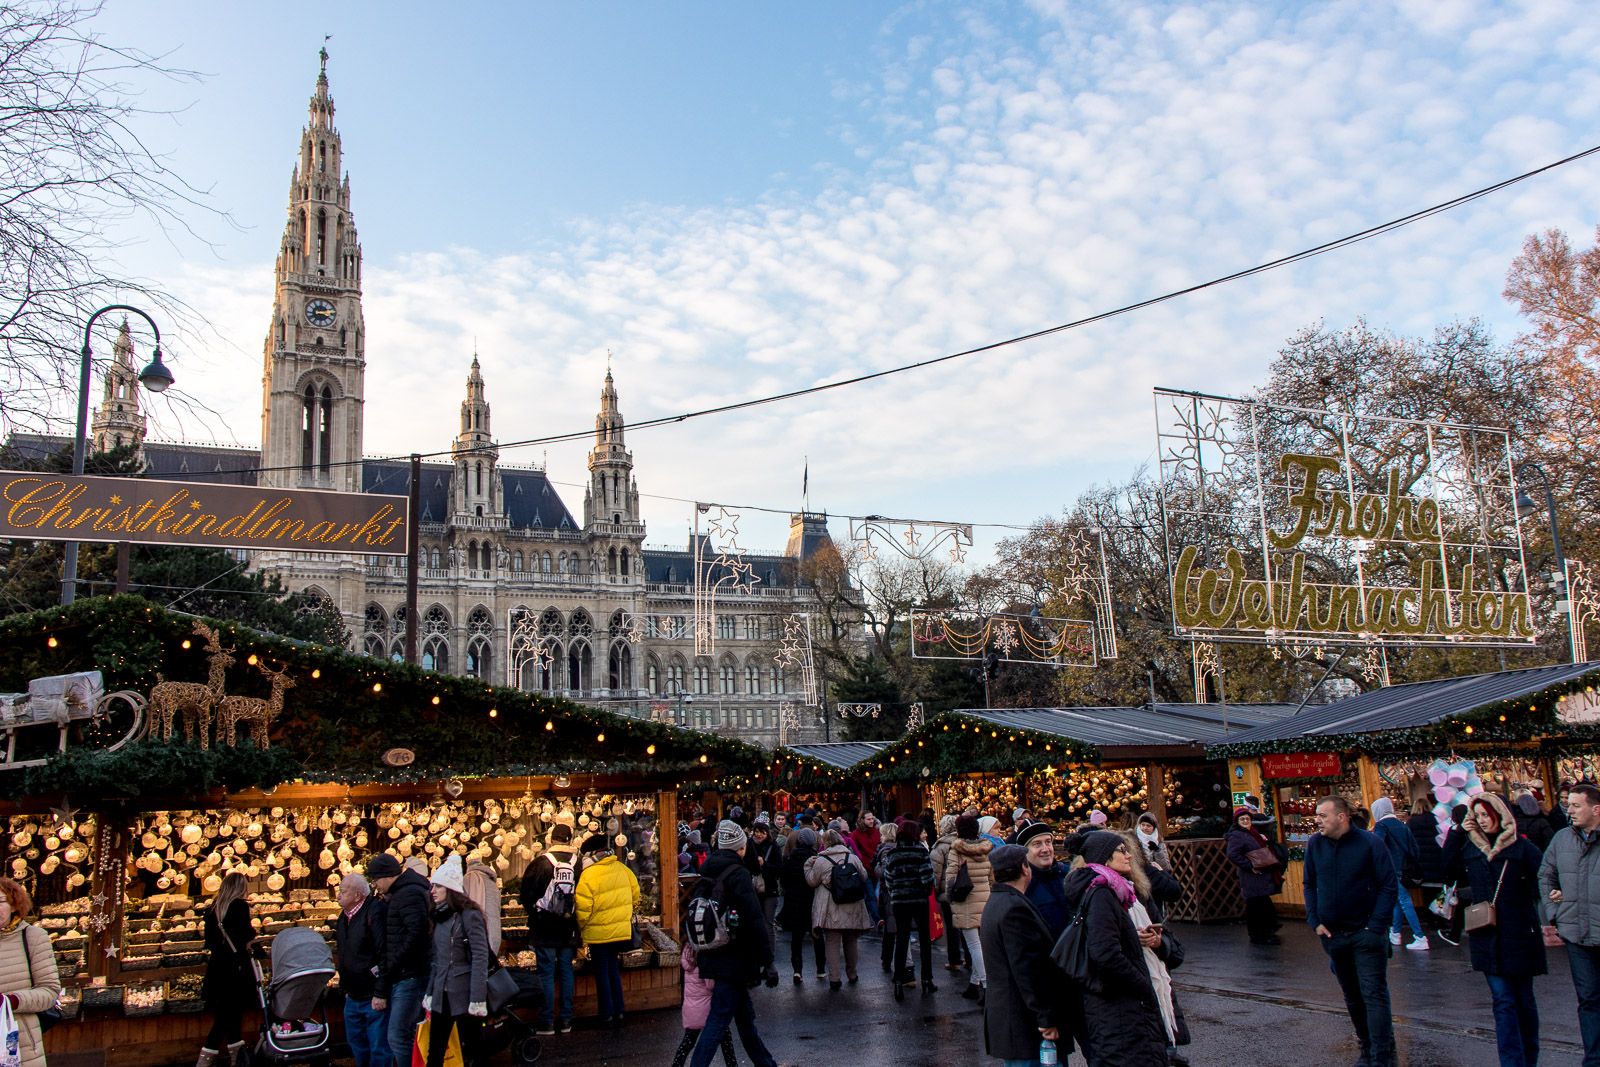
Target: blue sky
744,199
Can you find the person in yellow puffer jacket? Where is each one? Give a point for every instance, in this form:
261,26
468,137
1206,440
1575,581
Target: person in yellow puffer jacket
607,895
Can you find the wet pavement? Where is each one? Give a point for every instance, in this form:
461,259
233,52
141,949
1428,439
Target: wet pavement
1246,1005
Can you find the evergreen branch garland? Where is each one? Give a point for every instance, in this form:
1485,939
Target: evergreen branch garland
345,710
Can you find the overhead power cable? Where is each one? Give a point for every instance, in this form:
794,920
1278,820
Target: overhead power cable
1238,275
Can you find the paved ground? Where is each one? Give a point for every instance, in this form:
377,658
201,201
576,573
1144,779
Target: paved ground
1246,1005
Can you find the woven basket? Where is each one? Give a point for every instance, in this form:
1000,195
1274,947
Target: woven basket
70,1007
141,963
137,1011
182,959
634,959
143,937
104,996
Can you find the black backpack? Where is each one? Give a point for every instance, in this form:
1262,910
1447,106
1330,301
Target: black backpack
847,884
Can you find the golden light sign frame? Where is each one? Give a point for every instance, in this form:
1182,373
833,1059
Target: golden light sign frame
86,507
1292,526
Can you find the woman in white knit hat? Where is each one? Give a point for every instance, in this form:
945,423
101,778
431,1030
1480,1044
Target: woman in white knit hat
458,997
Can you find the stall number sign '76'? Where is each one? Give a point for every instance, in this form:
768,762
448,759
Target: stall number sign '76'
89,508
1308,527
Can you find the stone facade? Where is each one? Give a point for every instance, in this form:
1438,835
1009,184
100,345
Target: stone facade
513,588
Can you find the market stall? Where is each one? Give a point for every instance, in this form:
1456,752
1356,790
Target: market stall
1061,764
1435,743
363,756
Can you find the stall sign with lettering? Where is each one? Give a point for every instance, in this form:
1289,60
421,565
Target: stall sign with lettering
1300,765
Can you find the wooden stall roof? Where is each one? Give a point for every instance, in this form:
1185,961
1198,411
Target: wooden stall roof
1409,706
841,754
1164,731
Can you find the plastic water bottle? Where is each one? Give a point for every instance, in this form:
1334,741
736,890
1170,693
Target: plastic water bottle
1047,1053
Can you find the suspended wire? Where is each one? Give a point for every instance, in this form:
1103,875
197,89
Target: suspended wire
1239,275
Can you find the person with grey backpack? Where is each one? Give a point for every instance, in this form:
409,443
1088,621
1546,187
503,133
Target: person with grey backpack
838,908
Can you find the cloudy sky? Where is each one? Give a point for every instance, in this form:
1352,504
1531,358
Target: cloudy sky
743,199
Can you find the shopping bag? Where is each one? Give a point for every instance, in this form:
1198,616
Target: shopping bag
935,920
11,1050
419,1051
1444,905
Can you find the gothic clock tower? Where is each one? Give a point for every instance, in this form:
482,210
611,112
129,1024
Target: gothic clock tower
315,357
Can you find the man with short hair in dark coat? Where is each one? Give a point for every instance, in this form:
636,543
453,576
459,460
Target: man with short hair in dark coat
1350,889
1021,1007
358,934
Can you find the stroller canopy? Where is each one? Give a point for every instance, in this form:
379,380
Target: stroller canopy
298,950
302,963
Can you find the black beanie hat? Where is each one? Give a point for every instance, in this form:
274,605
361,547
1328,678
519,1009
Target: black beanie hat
1098,845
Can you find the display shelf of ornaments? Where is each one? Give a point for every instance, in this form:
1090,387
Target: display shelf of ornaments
68,925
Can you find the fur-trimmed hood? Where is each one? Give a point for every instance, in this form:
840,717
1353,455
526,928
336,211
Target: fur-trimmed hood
1508,827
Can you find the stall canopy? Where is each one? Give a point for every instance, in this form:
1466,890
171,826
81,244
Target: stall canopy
1511,707
1020,739
1166,731
840,754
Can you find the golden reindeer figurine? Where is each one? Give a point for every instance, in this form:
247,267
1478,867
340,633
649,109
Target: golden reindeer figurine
260,714
191,699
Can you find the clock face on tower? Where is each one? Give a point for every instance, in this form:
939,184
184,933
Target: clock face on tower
320,312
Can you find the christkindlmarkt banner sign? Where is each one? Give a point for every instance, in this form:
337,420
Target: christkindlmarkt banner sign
1301,527
86,508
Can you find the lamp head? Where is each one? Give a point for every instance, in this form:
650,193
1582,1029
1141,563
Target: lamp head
155,376
1527,507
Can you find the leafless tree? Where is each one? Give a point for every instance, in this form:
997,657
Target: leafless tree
72,169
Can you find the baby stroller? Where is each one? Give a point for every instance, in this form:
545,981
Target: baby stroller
302,964
507,1029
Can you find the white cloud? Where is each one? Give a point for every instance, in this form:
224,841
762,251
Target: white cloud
1015,182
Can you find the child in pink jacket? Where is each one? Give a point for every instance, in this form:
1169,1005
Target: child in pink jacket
696,1006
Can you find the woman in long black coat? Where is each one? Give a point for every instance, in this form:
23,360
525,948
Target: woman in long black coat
795,915
1424,827
1503,869
229,985
1123,1019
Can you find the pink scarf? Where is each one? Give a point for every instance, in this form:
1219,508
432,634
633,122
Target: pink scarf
1119,885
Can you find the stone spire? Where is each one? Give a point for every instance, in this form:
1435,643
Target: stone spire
313,379
612,495
118,420
477,483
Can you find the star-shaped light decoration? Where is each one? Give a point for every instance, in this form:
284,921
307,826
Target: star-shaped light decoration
115,499
195,504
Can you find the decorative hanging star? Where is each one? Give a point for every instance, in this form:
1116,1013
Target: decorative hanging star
111,951
99,900
65,815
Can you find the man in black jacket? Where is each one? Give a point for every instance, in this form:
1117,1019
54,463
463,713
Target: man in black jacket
359,936
407,951
552,924
1350,889
738,965
1021,1008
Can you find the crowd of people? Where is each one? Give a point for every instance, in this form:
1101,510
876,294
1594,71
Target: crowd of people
413,943
1001,898
1063,941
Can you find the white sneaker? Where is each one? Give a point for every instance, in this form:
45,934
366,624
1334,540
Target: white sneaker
1419,944
1395,937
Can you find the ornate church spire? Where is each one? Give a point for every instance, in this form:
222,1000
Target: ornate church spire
613,495
315,354
477,482
118,420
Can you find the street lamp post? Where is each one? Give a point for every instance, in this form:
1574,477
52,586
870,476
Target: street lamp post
155,377
1526,507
